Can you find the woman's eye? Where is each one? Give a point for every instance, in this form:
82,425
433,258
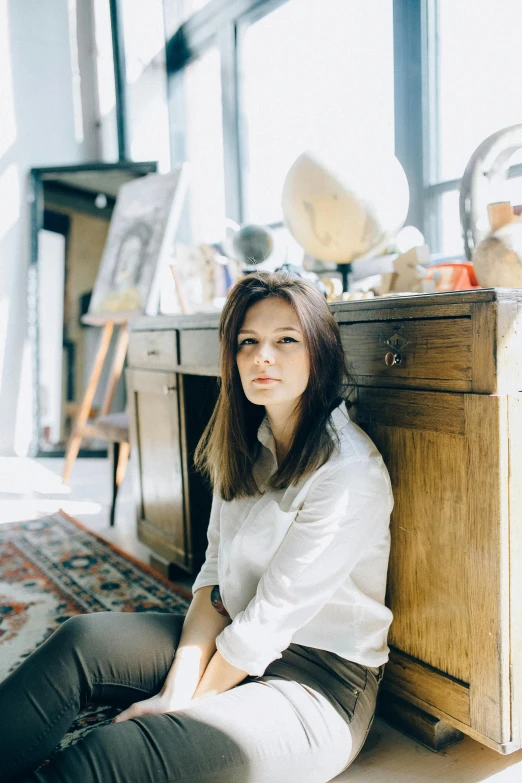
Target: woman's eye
248,340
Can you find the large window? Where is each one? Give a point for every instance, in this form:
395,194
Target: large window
312,76
431,77
204,146
290,75
476,56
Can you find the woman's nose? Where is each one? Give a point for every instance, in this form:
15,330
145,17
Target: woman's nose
264,355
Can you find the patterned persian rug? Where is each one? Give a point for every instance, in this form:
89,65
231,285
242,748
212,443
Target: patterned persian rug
53,568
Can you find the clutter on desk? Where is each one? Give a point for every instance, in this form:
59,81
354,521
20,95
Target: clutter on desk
252,245
484,182
497,258
345,205
202,276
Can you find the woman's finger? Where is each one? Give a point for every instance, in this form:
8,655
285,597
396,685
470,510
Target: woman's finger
156,705
131,712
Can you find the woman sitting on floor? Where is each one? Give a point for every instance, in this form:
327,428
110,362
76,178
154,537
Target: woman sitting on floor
272,677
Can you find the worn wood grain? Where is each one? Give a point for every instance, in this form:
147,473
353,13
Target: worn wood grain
514,403
410,410
483,347
389,312
428,573
409,677
424,384
436,349
431,731
161,524
487,544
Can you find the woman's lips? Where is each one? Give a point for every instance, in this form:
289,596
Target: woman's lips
265,381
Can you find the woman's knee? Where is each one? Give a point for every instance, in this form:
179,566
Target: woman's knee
84,631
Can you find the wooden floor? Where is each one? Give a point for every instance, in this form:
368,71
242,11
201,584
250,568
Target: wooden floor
32,488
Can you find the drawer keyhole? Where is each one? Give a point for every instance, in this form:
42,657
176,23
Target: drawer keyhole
152,352
392,358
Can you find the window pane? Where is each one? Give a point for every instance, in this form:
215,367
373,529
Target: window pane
106,93
451,241
147,120
204,147
178,11
480,62
314,75
190,7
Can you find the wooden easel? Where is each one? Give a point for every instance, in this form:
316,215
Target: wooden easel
80,429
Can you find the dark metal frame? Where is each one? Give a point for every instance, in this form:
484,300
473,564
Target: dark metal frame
219,23
120,78
82,201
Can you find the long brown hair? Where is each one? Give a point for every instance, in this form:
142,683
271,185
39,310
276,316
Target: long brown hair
229,446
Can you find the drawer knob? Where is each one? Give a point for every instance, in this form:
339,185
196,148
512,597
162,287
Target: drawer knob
152,352
392,358
168,389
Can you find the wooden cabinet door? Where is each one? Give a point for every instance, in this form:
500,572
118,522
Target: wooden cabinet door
448,578
155,438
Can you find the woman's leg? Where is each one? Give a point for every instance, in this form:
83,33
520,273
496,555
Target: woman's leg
107,657
281,728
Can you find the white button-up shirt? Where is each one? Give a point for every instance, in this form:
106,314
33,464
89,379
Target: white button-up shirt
306,564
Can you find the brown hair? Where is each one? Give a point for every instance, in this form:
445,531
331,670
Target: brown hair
229,446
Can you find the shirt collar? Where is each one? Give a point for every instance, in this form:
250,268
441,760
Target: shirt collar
339,416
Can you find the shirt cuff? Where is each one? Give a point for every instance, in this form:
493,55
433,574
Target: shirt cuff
205,580
251,656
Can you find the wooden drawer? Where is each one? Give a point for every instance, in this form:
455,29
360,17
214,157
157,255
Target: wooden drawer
199,350
433,353
154,350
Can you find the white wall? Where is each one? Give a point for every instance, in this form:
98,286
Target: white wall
47,118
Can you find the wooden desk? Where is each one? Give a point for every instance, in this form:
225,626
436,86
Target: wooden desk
446,414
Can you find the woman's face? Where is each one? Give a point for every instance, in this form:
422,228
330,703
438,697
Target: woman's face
271,344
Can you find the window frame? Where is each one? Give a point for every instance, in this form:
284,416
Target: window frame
435,187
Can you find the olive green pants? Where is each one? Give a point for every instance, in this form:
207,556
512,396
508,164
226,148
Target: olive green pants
303,721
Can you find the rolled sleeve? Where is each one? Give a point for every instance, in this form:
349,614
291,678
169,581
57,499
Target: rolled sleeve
341,513
208,574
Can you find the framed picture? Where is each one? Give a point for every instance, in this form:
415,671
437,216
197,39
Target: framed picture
139,243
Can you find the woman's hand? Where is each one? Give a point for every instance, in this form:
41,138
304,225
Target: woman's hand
159,704
196,648
219,676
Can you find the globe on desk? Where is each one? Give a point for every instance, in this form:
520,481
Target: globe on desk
344,207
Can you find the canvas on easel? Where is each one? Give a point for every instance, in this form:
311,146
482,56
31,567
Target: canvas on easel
141,234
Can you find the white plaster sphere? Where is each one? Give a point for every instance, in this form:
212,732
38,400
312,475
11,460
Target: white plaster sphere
344,206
